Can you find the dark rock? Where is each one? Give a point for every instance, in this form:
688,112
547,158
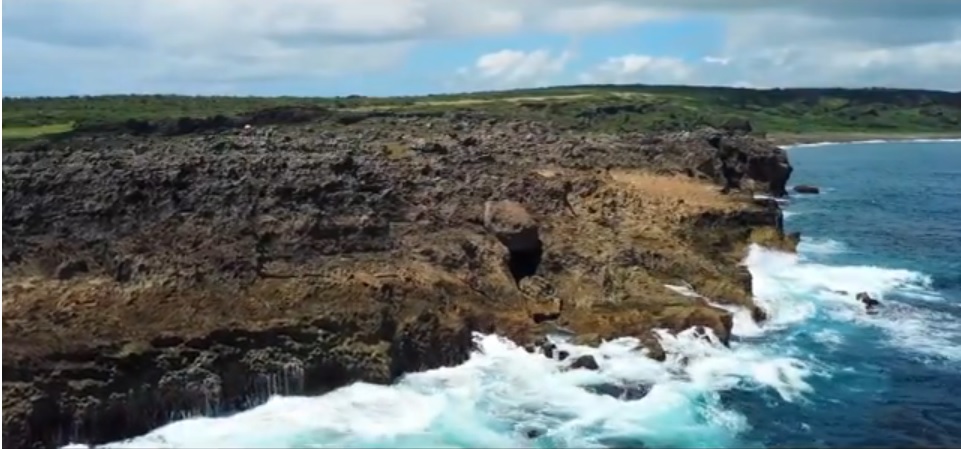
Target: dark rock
808,189
622,392
585,362
758,314
548,349
71,268
738,125
866,299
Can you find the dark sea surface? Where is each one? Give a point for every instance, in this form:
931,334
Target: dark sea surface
820,373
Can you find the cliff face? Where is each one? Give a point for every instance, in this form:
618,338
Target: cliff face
199,273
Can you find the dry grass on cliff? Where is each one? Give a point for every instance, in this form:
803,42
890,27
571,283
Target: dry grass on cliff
679,193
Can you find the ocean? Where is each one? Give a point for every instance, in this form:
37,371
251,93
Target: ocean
820,373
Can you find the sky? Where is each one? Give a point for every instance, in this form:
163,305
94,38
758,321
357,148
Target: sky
413,47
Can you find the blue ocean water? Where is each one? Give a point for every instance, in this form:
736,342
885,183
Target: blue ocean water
820,373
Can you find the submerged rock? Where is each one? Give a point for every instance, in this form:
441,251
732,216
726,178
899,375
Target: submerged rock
622,392
869,303
808,189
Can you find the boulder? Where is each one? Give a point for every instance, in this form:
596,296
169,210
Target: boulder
510,222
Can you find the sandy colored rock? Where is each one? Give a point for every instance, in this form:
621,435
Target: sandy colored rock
510,222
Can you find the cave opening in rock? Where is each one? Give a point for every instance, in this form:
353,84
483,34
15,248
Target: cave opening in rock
524,262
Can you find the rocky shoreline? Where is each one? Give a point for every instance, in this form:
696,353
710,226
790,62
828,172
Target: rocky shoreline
197,266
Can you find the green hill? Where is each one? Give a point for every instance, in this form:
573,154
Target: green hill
600,107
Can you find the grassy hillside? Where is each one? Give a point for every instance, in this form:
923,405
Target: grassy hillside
601,107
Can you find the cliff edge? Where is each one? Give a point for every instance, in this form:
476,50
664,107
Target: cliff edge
147,274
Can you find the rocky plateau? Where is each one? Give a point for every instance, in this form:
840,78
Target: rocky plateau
152,270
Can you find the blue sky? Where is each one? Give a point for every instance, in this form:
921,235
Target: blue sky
408,47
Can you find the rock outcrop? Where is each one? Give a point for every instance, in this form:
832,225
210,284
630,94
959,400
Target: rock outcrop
200,266
808,189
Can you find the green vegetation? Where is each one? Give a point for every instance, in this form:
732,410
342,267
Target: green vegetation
602,107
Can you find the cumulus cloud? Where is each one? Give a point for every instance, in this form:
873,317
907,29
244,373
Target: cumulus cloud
205,45
640,69
515,68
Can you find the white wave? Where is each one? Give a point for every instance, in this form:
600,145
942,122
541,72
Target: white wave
828,337
868,141
502,390
820,246
778,274
789,213
744,324
781,201
787,281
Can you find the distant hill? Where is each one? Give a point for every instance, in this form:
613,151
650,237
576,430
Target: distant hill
600,107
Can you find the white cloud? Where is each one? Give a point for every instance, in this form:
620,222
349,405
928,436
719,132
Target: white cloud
197,44
932,65
515,68
640,69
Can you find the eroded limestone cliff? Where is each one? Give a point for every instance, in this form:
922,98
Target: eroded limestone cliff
154,269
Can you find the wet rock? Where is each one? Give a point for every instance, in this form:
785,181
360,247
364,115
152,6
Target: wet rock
758,314
807,189
869,303
585,362
546,347
622,392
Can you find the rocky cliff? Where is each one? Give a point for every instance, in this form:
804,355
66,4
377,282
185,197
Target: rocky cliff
201,267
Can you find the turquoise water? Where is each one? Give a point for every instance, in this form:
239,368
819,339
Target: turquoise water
820,373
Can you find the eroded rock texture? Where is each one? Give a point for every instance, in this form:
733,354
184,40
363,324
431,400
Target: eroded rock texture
195,266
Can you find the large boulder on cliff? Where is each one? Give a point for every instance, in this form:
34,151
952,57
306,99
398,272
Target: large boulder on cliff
513,226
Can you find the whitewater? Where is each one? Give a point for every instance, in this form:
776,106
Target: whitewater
819,372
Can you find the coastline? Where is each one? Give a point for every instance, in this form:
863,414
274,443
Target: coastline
291,290
824,138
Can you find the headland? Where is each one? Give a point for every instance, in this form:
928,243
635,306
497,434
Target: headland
155,267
